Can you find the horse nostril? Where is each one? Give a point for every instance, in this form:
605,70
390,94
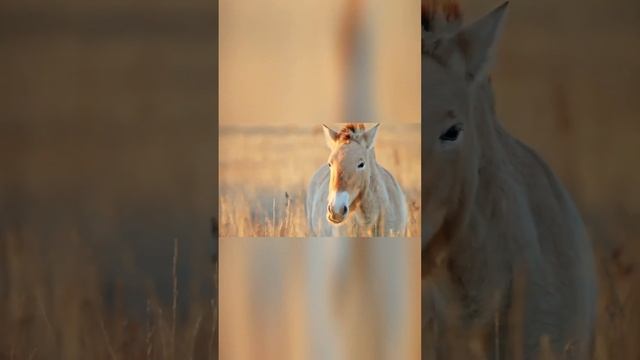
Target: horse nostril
329,207
344,209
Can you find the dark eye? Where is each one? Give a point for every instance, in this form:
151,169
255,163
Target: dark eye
329,164
452,133
360,164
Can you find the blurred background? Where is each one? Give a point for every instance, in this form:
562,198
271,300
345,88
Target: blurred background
306,62
108,153
319,298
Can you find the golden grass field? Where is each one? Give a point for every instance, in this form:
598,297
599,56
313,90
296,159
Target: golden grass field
264,173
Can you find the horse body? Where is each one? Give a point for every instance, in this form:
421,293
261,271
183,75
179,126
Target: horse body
502,232
372,200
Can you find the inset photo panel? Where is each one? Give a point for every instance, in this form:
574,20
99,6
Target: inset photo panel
319,119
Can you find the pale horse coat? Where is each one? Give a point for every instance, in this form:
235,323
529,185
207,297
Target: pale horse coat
504,246
376,203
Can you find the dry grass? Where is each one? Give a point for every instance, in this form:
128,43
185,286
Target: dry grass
264,172
618,310
618,324
53,306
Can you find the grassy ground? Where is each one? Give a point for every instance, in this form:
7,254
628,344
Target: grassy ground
54,306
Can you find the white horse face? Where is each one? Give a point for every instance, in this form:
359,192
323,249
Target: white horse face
349,166
453,65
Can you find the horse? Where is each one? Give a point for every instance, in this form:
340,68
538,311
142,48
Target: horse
499,225
352,195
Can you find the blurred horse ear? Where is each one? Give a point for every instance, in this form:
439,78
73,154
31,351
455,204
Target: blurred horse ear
478,41
369,136
330,136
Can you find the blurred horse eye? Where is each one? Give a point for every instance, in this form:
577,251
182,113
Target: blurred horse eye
329,164
451,134
360,165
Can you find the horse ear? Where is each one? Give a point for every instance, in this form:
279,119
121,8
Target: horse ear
330,136
370,136
478,41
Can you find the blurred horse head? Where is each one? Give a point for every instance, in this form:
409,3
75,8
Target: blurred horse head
492,207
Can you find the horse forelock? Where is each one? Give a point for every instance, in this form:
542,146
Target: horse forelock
448,10
438,17
351,132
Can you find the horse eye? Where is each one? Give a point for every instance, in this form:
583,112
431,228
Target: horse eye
360,165
329,164
451,134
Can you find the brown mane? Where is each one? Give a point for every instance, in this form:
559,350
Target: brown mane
448,9
438,16
350,132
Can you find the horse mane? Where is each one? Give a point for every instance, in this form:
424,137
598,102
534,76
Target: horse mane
449,10
351,132
438,17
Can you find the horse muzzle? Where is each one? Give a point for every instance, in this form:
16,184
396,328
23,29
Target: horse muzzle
336,216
